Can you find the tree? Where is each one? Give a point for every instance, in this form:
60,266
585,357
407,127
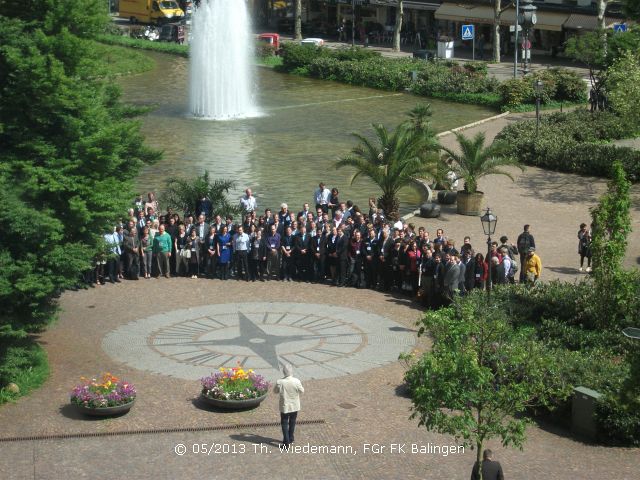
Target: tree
497,13
182,195
398,27
476,161
623,88
479,375
632,8
70,152
396,158
298,20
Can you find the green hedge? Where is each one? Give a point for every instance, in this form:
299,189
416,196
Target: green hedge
574,142
164,47
565,317
559,85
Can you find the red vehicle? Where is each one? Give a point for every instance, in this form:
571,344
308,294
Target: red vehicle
271,39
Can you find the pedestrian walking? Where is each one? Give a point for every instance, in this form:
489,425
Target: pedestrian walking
289,389
525,242
584,246
491,470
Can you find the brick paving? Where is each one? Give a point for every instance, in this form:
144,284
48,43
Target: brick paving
368,407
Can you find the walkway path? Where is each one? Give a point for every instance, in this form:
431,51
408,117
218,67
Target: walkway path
554,204
364,408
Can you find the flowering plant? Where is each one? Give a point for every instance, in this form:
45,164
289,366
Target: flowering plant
108,392
234,384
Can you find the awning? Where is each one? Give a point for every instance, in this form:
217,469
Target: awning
578,21
484,14
421,6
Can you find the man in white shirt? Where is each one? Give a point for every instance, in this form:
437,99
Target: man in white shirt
241,246
322,197
248,201
289,389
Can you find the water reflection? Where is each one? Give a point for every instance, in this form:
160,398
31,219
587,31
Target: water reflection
284,154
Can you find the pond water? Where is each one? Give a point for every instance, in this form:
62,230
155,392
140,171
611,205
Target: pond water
282,155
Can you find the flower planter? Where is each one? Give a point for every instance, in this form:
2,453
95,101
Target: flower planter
104,411
470,203
447,197
233,404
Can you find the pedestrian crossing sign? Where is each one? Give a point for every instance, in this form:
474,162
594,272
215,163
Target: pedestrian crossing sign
619,27
467,32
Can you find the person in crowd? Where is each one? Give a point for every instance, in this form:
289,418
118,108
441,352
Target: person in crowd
413,257
525,242
284,216
289,388
138,205
317,247
466,246
286,250
113,255
257,253
194,249
202,230
321,197
162,251
584,246
356,252
273,252
223,252
491,470
131,245
183,253
204,206
146,246
242,246
469,270
210,253
332,254
301,248
141,221
481,271
151,205
342,250
451,275
172,229
440,238
533,266
462,273
371,259
248,202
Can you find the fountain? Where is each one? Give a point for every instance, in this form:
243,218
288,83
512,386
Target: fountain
220,71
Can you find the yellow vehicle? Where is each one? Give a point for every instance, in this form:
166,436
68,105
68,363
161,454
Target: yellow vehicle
150,11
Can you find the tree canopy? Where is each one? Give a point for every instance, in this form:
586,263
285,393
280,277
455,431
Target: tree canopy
70,152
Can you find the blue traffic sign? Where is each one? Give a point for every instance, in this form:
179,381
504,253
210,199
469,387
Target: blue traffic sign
619,27
467,32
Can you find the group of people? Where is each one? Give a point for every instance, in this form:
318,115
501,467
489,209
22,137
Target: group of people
333,242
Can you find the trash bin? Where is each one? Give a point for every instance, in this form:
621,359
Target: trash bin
583,409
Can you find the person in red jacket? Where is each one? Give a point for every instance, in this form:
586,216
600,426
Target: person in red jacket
481,271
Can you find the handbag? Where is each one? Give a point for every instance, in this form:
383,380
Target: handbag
185,252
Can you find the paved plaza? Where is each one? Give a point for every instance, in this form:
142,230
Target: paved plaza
361,405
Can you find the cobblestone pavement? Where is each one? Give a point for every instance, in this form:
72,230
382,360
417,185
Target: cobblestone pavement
365,408
553,203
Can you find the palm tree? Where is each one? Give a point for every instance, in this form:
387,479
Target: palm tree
395,158
476,161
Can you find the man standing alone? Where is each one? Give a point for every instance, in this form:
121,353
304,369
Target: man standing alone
289,389
491,470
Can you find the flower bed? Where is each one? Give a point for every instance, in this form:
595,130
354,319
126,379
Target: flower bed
109,392
234,384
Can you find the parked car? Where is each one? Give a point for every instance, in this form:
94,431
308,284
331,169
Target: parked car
172,32
271,39
318,42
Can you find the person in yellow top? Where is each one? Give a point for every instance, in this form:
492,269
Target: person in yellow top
533,266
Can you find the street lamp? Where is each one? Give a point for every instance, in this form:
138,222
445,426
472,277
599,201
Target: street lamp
489,222
527,19
539,87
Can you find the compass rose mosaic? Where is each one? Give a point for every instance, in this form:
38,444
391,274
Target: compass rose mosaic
319,341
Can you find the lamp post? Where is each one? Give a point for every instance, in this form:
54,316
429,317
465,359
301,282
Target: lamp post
353,23
528,19
538,86
515,42
489,222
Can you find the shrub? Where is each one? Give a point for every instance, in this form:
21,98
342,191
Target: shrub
515,92
618,423
264,50
569,85
296,56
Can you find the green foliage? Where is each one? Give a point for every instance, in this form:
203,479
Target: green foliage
632,8
24,363
476,161
182,195
441,77
396,157
67,161
479,375
623,88
142,44
560,85
491,100
572,142
295,55
264,50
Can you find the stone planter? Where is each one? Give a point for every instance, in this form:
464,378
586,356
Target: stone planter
233,404
429,210
104,411
447,197
470,203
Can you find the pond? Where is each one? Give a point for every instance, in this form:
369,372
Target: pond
283,155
